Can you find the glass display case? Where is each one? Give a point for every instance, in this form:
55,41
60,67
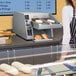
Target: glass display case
64,63
45,61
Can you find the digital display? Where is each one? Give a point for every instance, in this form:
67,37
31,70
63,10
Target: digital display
8,7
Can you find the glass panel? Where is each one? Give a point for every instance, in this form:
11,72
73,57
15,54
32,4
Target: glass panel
59,59
64,63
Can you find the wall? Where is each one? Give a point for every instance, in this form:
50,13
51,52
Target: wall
6,21
60,4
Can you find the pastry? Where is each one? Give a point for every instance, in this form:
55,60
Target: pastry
39,21
50,21
45,36
9,69
37,37
21,67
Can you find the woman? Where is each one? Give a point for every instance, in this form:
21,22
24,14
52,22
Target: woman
69,25
69,22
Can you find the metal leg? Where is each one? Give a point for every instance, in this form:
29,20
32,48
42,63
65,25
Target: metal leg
50,71
52,35
37,72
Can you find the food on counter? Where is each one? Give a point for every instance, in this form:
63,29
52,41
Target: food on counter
38,37
50,21
39,21
1,35
45,36
9,69
20,74
33,19
1,31
21,67
6,33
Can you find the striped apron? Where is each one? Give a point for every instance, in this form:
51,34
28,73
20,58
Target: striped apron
73,29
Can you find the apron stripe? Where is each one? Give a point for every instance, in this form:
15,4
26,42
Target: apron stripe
73,29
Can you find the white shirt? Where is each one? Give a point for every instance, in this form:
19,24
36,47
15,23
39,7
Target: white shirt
67,14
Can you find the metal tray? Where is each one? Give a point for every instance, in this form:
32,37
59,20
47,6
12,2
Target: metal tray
45,26
41,26
42,40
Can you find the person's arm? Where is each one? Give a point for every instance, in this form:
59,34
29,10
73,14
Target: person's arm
66,25
66,31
